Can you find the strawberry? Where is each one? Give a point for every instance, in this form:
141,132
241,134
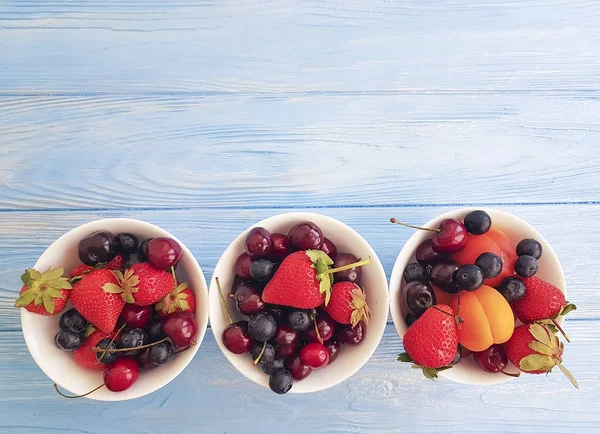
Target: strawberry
301,281
116,263
145,284
431,342
99,298
534,349
84,356
80,270
44,293
180,299
542,302
348,304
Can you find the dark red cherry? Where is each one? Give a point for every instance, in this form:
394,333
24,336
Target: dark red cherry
451,238
305,236
286,341
181,328
242,266
314,355
333,347
236,339
248,300
121,374
353,335
326,326
280,247
329,248
258,242
164,252
298,370
353,274
136,316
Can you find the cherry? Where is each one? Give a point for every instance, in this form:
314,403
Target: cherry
248,300
464,352
298,370
351,275
329,248
442,275
258,242
493,359
314,355
326,326
353,335
280,247
181,327
333,347
286,341
99,246
136,316
305,236
121,374
419,297
425,254
242,266
450,237
164,252
236,339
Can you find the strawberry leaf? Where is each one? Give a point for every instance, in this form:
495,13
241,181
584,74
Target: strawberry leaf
540,333
51,275
541,348
183,304
49,304
89,330
34,274
568,308
112,288
536,362
26,278
404,357
569,375
26,298
321,263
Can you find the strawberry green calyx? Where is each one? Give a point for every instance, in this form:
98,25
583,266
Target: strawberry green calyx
549,351
321,263
174,301
429,373
127,285
552,323
43,288
360,309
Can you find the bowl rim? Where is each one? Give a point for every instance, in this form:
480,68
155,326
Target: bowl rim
284,219
201,311
407,253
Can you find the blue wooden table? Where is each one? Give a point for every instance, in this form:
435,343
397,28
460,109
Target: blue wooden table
204,117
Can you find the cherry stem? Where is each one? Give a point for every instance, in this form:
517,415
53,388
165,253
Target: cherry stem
186,348
393,220
173,273
510,374
347,267
262,351
560,329
141,347
319,338
223,301
76,396
110,343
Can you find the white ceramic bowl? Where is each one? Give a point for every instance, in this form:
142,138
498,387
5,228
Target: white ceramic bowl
374,282
60,366
516,229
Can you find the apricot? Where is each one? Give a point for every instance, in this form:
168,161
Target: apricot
488,318
508,256
442,297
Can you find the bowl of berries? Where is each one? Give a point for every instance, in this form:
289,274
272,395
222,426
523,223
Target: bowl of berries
294,294
114,309
479,297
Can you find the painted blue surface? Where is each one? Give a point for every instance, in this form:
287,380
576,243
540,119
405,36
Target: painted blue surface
205,117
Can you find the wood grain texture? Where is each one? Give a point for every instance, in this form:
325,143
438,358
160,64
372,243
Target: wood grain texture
384,397
156,152
312,46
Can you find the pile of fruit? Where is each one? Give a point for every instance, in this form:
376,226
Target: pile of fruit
472,291
128,311
299,309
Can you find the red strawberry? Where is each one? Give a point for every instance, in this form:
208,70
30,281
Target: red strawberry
348,304
116,263
80,270
180,299
542,301
84,356
300,280
44,293
534,349
99,298
146,283
432,340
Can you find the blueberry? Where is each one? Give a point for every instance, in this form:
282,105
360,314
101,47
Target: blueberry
273,366
160,354
104,357
299,320
409,319
73,320
133,258
154,330
512,288
267,356
490,264
526,266
281,382
262,327
68,340
530,247
262,269
131,339
478,222
143,249
469,277
126,242
415,272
